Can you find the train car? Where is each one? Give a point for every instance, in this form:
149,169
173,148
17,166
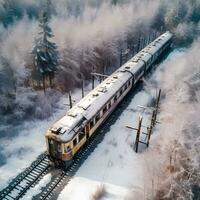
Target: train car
66,137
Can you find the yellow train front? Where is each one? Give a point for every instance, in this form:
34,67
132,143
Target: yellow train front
64,141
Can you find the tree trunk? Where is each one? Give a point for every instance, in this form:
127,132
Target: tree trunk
43,79
120,57
50,80
82,88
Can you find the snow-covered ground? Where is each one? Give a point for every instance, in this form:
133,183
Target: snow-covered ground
114,170
38,188
22,149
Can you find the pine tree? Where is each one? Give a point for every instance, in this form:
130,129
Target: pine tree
9,12
45,52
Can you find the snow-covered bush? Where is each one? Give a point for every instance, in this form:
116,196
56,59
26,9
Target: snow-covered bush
99,193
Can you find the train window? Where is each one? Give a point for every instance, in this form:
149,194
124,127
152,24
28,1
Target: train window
97,117
75,142
67,149
92,124
81,136
59,148
115,98
109,105
104,110
121,92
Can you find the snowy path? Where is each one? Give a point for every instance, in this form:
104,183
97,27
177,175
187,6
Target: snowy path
114,170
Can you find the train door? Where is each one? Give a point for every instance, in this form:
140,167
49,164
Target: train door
54,148
87,131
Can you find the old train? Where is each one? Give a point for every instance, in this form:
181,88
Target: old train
66,137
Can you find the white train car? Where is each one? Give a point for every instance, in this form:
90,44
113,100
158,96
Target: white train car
65,138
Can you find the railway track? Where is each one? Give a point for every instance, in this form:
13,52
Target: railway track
28,178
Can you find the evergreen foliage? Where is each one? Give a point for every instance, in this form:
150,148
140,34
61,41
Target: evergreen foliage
46,55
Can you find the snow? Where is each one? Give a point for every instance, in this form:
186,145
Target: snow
20,154
112,191
37,188
114,165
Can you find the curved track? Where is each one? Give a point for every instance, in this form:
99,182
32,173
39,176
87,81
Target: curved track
28,178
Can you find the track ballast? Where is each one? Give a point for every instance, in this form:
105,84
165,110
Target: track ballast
28,178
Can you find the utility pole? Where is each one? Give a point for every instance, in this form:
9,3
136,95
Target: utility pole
120,58
92,78
137,139
157,104
82,88
149,128
70,99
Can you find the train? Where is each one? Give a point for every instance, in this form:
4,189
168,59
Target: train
68,135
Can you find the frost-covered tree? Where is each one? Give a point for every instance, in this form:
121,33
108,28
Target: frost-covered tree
45,52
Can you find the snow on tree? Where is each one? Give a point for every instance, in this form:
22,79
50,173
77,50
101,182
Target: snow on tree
45,52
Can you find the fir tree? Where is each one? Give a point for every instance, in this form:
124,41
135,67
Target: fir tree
9,12
45,52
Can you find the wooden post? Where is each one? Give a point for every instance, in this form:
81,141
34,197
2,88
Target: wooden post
149,133
93,79
82,88
150,129
149,38
153,119
138,46
43,80
137,140
120,57
70,99
157,106
148,136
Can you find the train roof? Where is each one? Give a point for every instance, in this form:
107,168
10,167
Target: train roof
77,117
90,105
